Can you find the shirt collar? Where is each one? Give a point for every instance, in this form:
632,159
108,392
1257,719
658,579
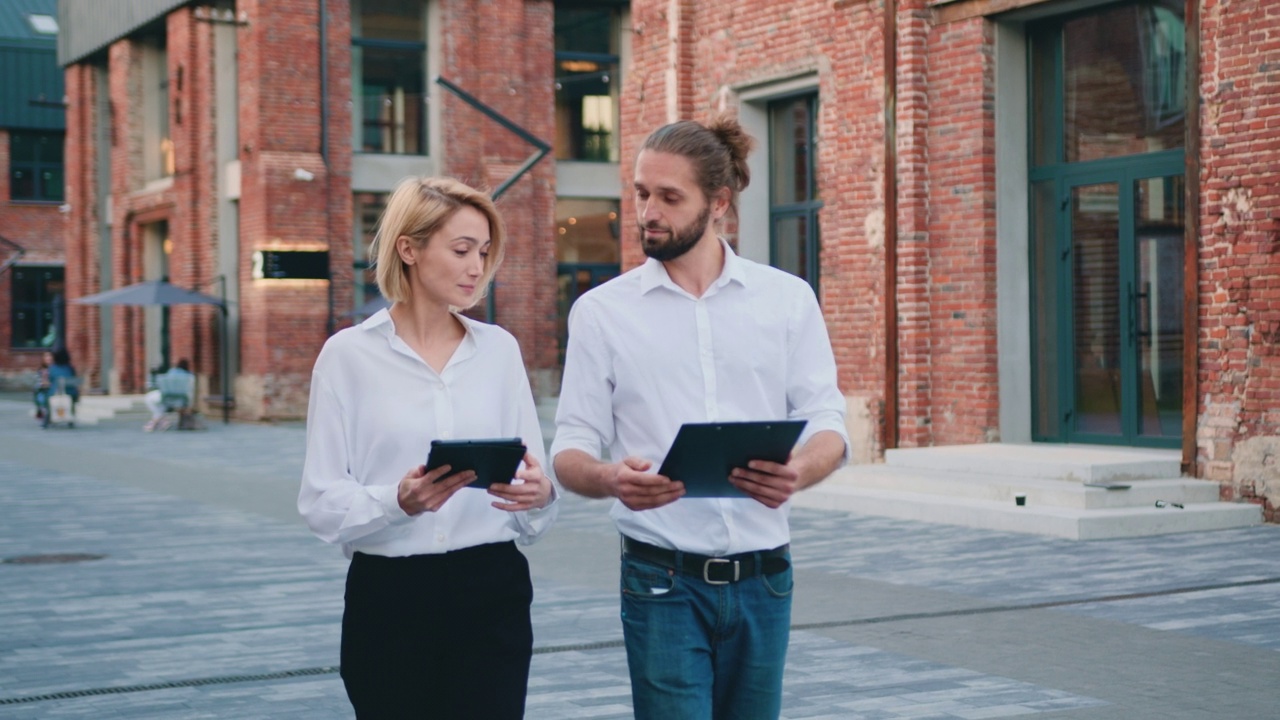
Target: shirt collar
380,322
653,274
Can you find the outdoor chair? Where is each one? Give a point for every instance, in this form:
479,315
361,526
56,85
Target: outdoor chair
59,403
177,395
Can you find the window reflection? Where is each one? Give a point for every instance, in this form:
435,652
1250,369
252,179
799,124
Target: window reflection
587,83
388,76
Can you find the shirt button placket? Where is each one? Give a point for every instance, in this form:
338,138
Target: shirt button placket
706,358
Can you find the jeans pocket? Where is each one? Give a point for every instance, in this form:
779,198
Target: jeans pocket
779,585
642,580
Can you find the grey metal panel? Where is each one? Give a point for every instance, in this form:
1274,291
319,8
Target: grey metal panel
28,74
87,26
15,25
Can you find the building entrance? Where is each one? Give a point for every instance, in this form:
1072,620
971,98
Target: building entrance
1108,217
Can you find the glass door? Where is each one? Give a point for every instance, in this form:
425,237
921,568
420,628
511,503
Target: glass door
1107,113
1120,338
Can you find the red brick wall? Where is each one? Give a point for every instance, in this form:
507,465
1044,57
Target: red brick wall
284,323
81,234
515,77
946,229
1238,424
959,191
37,228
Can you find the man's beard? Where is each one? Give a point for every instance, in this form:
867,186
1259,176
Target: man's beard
681,241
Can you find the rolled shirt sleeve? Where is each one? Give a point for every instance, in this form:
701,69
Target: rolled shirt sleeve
812,392
584,416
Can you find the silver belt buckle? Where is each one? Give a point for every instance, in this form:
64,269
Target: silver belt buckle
706,568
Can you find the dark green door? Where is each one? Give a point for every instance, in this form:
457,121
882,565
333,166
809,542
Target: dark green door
1107,207
1119,331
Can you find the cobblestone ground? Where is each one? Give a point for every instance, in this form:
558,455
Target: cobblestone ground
211,600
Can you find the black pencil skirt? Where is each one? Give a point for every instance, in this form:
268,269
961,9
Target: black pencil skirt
443,637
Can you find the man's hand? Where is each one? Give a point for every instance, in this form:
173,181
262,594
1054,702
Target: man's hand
773,483
419,492
769,483
641,490
534,492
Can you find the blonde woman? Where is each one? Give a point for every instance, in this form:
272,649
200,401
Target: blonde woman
436,622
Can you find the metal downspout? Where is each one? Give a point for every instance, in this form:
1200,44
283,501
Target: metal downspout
1191,244
324,150
891,223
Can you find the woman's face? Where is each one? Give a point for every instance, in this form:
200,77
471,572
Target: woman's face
447,269
47,358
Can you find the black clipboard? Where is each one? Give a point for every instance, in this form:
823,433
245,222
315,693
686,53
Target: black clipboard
703,454
494,460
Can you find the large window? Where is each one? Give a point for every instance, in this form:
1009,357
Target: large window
587,39
388,76
37,307
793,189
35,166
157,142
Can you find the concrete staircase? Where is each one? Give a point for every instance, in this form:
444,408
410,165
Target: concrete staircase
94,408
1080,492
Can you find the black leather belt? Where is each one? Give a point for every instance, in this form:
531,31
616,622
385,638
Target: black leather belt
713,570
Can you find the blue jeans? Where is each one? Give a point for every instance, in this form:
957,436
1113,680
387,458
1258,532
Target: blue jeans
698,651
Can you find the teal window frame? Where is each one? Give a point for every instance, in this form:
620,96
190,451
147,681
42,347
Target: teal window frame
806,208
45,167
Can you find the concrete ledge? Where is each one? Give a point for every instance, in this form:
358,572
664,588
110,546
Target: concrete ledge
1038,491
1087,463
1064,522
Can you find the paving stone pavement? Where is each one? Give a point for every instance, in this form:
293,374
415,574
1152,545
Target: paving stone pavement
212,600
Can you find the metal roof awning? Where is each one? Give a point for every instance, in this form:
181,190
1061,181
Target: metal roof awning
88,26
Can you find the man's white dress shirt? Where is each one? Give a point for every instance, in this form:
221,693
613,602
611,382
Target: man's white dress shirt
375,408
645,356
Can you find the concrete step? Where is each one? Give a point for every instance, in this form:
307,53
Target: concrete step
1066,522
1085,463
1080,492
1036,491
94,408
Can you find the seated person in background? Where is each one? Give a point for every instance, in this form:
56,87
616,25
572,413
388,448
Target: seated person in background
60,377
40,394
177,376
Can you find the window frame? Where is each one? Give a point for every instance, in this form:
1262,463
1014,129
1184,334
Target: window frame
808,208
37,166
612,76
48,304
419,49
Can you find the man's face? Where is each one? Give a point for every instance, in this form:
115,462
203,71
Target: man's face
671,211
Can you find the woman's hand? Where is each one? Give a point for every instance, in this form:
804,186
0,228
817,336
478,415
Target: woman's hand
419,492
534,492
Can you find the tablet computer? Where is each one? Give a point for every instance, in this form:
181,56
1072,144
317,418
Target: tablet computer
703,454
494,460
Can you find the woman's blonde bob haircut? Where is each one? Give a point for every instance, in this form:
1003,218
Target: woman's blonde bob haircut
417,209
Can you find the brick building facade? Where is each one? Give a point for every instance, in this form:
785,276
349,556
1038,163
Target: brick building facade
32,248
210,143
1009,191
1026,220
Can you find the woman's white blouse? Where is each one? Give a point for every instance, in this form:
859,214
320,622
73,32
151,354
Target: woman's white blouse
375,408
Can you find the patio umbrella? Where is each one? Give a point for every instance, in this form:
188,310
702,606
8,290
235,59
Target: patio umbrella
151,292
159,292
